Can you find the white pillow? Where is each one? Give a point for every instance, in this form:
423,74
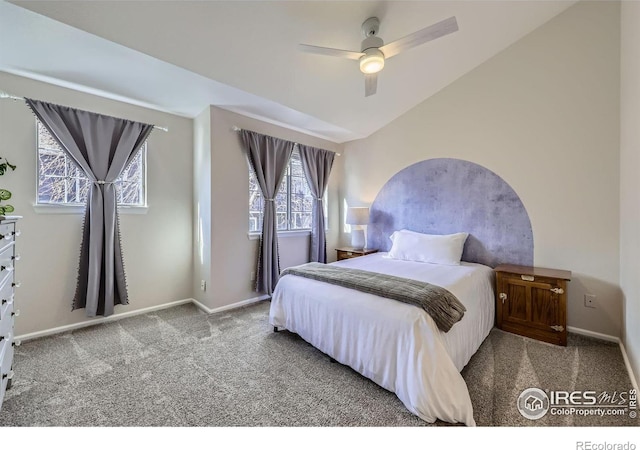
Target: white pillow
431,248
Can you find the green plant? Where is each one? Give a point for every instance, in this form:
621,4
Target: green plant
5,194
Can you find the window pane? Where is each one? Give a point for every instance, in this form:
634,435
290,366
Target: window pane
301,220
300,186
297,202
72,167
77,190
296,165
281,202
134,171
282,220
129,193
255,203
45,139
52,189
52,163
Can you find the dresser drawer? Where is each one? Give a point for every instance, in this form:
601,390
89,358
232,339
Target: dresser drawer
6,361
6,264
7,228
7,321
6,298
6,254
7,234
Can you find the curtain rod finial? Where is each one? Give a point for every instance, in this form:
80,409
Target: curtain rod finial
4,94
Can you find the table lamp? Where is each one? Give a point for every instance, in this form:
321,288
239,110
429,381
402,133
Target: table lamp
358,217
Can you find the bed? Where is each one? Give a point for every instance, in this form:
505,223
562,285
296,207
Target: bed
398,345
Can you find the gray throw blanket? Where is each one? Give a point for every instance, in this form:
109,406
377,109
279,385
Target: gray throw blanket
443,307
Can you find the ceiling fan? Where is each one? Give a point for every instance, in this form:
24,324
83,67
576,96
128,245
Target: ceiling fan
373,52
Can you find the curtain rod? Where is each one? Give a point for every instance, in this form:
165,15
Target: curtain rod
13,97
238,129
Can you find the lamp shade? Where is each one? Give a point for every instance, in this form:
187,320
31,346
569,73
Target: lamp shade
358,215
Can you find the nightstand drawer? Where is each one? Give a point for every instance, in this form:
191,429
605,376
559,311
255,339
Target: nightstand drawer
347,255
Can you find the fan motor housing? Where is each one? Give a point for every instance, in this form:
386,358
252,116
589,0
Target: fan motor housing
371,42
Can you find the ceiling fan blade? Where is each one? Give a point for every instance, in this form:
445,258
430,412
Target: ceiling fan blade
330,51
370,84
430,33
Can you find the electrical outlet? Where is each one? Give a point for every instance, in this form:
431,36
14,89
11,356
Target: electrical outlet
203,285
253,276
589,300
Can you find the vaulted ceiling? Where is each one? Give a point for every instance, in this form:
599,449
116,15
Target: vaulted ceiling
180,56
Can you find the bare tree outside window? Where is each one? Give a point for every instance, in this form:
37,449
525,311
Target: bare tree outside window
61,182
294,202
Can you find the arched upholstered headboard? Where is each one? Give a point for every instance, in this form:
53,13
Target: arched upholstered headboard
443,196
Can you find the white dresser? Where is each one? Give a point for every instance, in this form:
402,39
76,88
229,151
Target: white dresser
8,257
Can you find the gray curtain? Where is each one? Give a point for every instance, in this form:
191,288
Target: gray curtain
317,164
102,147
269,157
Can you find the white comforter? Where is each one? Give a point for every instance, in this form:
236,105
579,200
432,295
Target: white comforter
396,345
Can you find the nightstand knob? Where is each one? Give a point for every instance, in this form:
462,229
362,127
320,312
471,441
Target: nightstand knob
558,291
502,297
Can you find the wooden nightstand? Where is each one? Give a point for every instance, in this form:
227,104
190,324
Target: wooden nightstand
350,252
532,302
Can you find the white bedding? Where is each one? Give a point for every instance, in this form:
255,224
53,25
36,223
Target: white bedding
396,345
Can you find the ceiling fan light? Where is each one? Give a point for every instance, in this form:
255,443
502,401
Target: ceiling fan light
372,61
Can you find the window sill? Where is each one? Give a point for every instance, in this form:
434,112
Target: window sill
44,208
281,234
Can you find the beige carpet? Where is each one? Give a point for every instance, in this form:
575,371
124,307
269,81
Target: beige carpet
180,367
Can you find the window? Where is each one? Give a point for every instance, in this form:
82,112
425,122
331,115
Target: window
294,202
61,182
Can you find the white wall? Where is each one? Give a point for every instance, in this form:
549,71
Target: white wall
157,246
233,254
630,178
544,115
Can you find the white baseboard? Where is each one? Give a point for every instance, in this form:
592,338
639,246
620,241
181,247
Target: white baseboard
91,322
607,337
593,334
627,363
227,307
118,316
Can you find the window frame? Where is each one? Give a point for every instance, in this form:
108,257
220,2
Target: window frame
73,208
289,231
